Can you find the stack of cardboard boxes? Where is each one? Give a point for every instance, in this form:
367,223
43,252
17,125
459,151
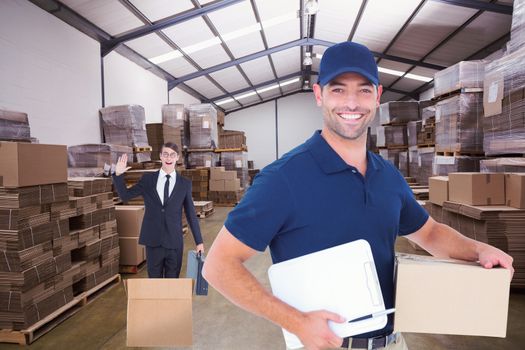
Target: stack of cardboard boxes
392,137
421,142
126,125
55,246
95,229
225,187
488,207
203,136
14,126
200,180
232,139
129,222
94,159
459,117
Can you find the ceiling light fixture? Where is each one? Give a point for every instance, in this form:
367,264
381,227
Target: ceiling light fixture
311,7
226,37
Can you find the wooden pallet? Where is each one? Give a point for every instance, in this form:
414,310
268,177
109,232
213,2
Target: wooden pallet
243,148
455,92
29,335
205,214
132,268
458,154
224,204
201,149
425,145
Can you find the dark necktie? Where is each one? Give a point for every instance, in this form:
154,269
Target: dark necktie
166,190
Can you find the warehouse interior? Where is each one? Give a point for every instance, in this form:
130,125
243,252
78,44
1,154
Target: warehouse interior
73,70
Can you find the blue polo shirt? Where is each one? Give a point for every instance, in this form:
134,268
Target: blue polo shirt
310,200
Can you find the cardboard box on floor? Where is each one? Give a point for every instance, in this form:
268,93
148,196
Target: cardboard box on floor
477,188
30,164
129,220
515,190
131,252
217,185
159,312
450,297
438,189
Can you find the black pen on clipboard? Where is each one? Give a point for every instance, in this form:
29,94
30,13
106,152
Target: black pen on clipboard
375,314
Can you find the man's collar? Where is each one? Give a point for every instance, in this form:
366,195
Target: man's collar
163,173
328,159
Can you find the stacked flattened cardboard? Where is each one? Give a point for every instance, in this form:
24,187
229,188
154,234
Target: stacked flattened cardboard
93,233
517,30
504,103
421,140
459,118
392,136
225,186
232,139
29,222
237,161
459,123
448,164
126,125
486,207
203,126
200,179
252,173
200,159
503,165
94,159
14,126
175,123
463,75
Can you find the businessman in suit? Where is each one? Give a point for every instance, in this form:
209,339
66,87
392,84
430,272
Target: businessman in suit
165,193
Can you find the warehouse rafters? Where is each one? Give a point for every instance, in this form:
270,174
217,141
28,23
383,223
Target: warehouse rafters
237,53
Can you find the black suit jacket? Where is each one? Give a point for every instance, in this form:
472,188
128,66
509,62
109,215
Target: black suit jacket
162,224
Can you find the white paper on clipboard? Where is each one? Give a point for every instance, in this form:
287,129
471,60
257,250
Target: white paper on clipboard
341,279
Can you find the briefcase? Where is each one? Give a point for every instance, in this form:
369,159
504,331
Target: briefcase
194,270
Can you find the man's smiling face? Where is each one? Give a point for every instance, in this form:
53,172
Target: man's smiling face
349,104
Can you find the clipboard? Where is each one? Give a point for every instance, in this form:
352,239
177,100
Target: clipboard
341,279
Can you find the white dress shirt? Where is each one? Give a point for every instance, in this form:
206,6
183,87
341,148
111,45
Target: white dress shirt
161,181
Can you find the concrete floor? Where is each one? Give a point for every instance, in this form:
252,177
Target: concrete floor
220,325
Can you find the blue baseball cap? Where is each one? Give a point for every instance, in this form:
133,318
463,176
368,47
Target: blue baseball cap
347,57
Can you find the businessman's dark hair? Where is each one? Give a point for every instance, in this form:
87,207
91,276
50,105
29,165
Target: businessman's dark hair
171,145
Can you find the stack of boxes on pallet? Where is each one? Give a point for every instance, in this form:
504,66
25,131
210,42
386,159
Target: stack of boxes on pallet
200,179
392,137
421,141
203,136
504,124
459,117
55,246
14,126
126,125
174,128
488,207
225,186
129,222
95,228
94,159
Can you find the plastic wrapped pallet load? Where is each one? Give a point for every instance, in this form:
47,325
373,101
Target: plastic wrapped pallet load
465,74
504,105
14,126
459,123
203,126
